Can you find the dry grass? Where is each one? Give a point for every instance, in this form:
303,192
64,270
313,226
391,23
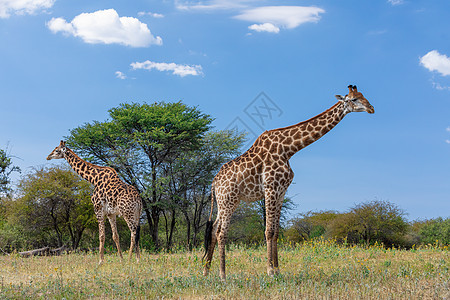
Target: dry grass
314,270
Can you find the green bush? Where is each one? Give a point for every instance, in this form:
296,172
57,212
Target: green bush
309,225
436,231
376,221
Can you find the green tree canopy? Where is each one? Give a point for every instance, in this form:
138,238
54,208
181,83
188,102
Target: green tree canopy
54,207
435,231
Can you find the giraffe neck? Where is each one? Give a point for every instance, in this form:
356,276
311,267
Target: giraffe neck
85,169
303,134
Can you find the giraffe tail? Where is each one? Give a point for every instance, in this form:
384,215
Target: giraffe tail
209,225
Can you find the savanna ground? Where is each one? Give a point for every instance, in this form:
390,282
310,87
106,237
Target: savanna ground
312,270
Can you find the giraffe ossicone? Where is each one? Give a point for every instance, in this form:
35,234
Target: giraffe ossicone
111,197
263,172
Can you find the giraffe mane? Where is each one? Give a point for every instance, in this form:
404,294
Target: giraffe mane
306,121
91,164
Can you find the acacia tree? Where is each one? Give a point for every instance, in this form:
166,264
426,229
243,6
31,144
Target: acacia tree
137,141
55,206
189,181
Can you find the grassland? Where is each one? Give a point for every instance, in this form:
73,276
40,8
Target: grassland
314,270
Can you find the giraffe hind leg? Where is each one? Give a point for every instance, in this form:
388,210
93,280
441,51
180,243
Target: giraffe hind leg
221,240
112,221
101,237
135,228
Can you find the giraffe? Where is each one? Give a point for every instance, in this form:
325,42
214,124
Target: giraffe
263,172
111,197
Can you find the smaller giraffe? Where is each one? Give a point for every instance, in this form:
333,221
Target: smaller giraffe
263,172
111,197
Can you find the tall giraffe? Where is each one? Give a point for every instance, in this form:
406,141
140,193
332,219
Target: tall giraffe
263,171
111,197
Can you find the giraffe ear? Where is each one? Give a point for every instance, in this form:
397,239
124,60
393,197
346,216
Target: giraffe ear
340,98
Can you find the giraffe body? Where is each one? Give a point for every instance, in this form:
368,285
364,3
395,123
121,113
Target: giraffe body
111,197
263,172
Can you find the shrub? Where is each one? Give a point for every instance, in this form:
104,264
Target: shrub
309,225
376,221
435,231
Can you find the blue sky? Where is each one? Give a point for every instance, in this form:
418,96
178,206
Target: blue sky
64,63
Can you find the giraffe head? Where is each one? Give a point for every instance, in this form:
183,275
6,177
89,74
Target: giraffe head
355,101
58,152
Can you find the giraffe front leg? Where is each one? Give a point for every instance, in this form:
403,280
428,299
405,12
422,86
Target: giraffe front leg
272,249
275,249
115,235
269,241
276,233
273,212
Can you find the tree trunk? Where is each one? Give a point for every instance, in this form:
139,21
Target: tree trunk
188,229
154,227
148,216
155,209
200,203
36,252
78,238
55,226
72,235
172,227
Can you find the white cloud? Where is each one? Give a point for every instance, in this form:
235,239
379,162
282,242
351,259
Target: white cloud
120,75
106,27
22,7
151,14
266,27
176,69
448,129
268,18
59,24
434,61
212,5
282,16
396,2
439,86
